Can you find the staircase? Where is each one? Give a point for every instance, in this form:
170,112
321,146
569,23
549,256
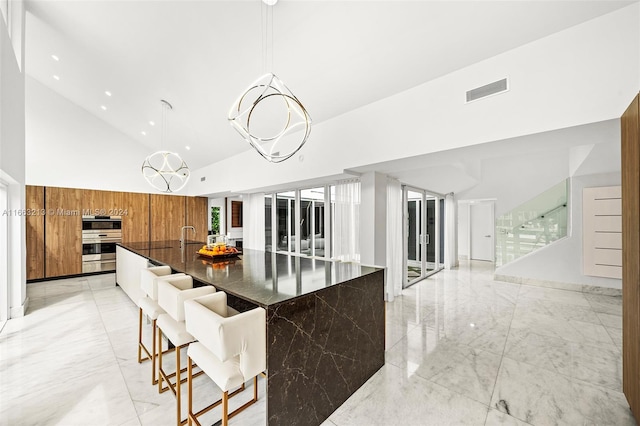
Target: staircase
532,225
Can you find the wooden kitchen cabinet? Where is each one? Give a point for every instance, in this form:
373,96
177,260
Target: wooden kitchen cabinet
63,231
135,223
197,216
102,203
54,239
35,231
168,216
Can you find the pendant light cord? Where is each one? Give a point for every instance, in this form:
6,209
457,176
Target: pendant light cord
165,106
266,37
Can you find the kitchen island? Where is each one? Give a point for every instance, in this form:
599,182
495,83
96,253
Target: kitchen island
325,320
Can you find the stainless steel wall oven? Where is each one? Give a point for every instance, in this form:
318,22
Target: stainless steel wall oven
99,237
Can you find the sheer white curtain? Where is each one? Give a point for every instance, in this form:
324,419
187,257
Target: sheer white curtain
253,221
394,239
346,229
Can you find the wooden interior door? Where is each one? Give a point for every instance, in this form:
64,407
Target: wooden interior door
135,217
630,126
168,217
63,235
197,216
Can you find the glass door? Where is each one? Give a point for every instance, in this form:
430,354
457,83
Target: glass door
422,234
413,238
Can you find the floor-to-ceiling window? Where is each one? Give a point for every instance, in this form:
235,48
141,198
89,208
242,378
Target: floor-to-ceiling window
312,222
299,221
423,213
285,221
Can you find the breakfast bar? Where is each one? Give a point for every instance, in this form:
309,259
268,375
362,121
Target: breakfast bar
325,319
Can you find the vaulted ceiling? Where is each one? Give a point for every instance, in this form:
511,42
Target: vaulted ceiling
199,55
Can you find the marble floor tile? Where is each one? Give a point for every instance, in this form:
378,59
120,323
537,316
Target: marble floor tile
461,349
100,398
394,397
610,320
103,281
616,336
555,295
462,369
487,337
599,364
495,417
605,304
541,397
554,326
395,330
560,310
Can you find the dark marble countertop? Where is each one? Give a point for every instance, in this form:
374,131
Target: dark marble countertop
263,278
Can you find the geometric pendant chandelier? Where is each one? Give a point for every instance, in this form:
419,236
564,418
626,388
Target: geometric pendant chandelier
267,114
269,97
164,170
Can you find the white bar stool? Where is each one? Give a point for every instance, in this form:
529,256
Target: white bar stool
148,305
172,293
231,349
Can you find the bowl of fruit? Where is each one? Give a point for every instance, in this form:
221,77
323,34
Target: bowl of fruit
218,250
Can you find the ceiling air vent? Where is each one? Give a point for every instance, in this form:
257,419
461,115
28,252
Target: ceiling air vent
488,90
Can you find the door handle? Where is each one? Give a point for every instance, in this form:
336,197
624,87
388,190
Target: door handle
487,236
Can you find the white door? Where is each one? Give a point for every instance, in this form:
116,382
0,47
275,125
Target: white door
482,228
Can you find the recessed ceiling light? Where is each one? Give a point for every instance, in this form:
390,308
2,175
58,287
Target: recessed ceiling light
187,148
55,58
55,77
143,133
270,2
108,93
152,123
104,108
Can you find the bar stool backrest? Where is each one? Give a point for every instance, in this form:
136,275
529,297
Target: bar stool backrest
147,277
242,335
173,291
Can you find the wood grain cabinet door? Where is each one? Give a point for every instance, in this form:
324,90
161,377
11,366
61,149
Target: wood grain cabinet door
168,215
35,231
63,236
197,216
135,220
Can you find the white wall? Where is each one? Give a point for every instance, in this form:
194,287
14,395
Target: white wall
464,251
514,180
554,83
373,219
67,146
12,155
562,261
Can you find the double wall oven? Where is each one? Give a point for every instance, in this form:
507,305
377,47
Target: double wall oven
99,237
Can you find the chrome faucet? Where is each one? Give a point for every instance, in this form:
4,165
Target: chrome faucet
182,239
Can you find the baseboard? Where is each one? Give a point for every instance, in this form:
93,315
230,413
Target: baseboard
463,257
19,311
581,288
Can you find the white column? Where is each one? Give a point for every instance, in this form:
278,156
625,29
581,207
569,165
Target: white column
373,219
450,234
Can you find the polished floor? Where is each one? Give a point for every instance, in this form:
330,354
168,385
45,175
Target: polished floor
462,349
